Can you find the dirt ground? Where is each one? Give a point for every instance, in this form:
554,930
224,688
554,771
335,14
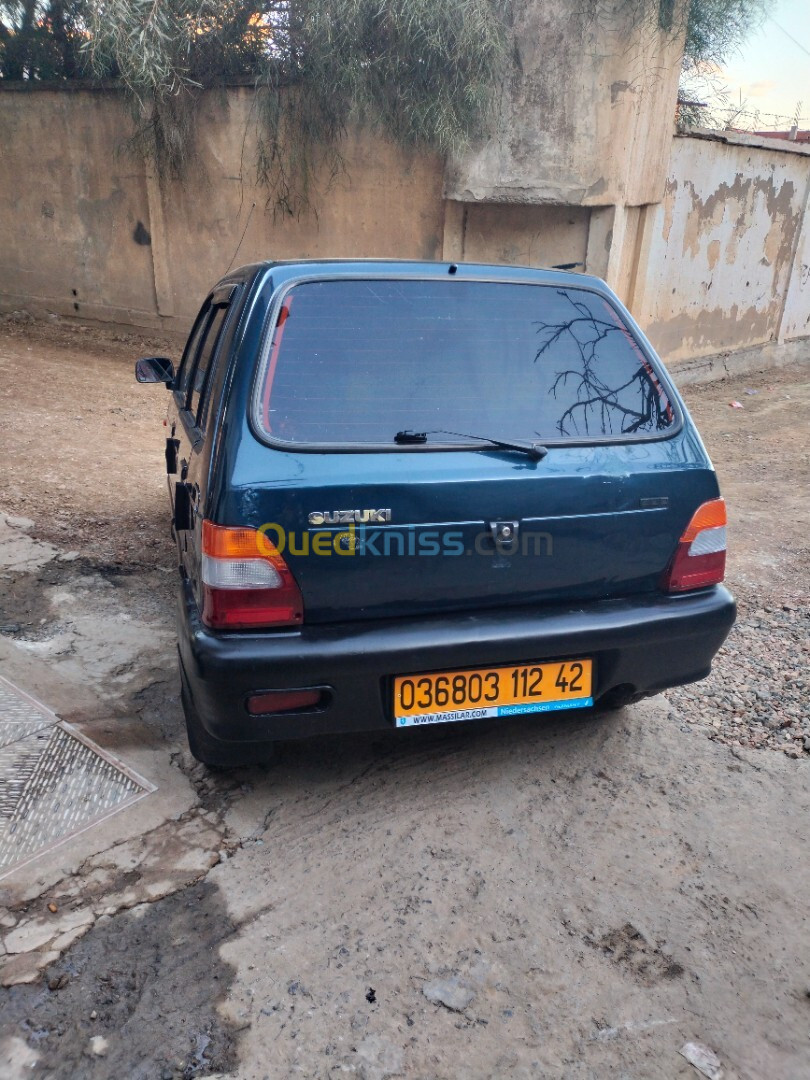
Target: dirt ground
545,898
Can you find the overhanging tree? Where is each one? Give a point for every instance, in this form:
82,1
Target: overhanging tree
424,72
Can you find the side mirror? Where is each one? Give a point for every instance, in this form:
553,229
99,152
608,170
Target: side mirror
155,369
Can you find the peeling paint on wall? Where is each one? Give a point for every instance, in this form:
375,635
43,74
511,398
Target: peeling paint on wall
723,247
796,319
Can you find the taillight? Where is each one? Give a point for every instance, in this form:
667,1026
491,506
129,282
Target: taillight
245,581
700,558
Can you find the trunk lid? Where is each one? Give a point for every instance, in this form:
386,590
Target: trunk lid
592,522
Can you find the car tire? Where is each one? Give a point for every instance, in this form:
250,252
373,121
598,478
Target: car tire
214,753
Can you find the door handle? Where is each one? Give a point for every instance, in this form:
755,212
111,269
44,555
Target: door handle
184,505
172,452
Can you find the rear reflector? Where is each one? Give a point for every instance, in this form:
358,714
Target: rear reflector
700,558
277,701
246,583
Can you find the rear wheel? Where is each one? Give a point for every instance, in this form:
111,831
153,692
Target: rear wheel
214,753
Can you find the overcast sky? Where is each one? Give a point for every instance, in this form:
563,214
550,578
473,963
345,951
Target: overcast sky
772,72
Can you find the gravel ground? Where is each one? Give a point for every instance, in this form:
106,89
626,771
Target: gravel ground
757,692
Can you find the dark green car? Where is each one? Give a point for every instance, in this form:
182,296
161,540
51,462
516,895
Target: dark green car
418,493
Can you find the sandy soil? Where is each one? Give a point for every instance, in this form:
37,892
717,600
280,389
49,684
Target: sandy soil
542,899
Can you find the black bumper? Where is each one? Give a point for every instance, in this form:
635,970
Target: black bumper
639,647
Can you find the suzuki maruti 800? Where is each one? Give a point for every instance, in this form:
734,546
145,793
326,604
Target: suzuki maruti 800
420,493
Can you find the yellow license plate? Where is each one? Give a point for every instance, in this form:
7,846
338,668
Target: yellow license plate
498,691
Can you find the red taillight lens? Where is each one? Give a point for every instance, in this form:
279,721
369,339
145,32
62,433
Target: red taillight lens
700,558
276,701
246,583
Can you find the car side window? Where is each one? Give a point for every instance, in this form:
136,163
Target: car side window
202,363
191,350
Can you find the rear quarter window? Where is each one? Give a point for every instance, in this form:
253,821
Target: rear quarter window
353,362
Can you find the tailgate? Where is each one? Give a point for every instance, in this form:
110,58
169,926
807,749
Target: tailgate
584,531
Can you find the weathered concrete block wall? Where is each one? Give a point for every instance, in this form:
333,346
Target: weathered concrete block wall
521,235
387,203
724,259
796,319
583,130
74,216
89,231
721,262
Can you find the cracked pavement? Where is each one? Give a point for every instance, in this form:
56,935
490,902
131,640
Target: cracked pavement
538,898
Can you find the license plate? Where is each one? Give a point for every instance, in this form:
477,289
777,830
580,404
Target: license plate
498,691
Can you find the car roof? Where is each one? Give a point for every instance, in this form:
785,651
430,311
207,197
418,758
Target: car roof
285,270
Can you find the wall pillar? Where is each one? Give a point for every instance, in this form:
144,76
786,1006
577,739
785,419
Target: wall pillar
600,240
639,279
164,295
453,236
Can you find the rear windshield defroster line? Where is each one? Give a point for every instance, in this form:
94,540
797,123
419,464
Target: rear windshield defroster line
362,358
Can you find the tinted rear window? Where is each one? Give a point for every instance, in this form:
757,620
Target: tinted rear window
356,361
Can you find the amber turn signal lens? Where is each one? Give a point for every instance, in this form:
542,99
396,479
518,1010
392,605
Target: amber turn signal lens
223,542
711,515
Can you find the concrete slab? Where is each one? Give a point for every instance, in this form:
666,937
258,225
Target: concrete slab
727,365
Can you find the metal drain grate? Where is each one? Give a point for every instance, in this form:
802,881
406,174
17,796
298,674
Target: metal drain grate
54,782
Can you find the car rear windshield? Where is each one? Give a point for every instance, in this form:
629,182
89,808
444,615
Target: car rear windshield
354,362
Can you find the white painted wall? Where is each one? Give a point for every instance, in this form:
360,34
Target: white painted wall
727,260
796,320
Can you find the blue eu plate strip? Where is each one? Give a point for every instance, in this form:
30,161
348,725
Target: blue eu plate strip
500,710
545,706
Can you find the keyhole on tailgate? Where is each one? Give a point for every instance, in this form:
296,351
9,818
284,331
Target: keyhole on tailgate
505,534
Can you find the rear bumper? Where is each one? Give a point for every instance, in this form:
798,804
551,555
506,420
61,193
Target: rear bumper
639,647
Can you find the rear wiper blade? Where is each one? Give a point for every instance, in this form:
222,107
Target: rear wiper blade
536,451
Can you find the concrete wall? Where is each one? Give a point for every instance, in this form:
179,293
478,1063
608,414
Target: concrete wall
73,215
724,261
588,121
388,203
89,230
796,319
720,260
583,130
522,235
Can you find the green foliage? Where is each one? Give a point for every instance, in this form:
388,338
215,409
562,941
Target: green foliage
422,71
716,28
